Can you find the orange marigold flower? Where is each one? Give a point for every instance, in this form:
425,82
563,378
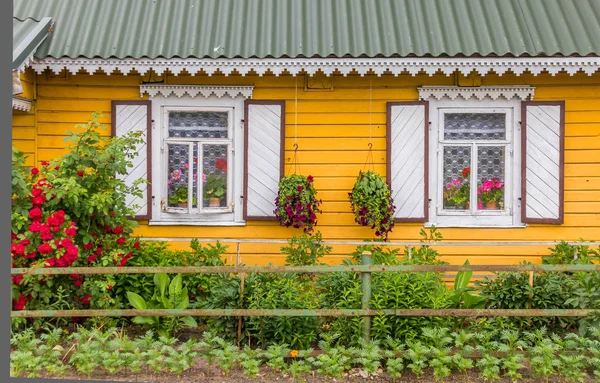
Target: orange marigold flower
294,353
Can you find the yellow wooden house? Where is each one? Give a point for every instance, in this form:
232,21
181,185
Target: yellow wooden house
245,92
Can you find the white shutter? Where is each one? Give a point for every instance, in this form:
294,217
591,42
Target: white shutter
128,116
407,171
543,161
263,152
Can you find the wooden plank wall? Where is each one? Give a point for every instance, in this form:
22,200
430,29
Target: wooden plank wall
333,129
23,123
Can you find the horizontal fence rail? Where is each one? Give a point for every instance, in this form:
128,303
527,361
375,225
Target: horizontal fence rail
366,269
307,313
303,269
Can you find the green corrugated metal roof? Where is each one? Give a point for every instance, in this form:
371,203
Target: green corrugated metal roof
28,34
316,28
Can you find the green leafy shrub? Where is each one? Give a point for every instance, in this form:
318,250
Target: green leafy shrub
285,291
168,294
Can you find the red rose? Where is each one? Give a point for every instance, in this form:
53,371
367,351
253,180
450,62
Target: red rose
35,171
45,163
112,213
136,244
88,246
13,236
31,255
109,287
66,242
80,174
60,213
45,248
92,258
72,251
45,228
25,242
19,249
19,304
35,213
99,251
78,282
70,232
17,279
50,262
118,229
86,299
39,200
36,192
120,240
46,236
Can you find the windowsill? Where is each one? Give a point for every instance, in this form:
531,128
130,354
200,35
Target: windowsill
194,223
488,226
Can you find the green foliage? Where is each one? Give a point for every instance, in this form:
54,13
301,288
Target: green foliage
214,187
287,291
513,291
565,253
305,250
168,294
463,295
372,204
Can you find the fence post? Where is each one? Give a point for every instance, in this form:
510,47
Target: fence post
366,296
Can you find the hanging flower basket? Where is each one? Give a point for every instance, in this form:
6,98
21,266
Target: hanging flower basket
296,203
372,203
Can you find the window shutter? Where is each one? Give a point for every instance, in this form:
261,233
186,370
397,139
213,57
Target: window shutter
263,157
136,116
543,150
407,159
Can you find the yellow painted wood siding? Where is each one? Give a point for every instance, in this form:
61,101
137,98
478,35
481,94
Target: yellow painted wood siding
23,123
333,129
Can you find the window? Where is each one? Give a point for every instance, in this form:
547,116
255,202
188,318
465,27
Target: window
473,174
198,160
476,157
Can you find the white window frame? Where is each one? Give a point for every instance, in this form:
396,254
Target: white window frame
511,215
161,213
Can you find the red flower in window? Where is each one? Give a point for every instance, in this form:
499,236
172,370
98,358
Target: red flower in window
466,172
221,164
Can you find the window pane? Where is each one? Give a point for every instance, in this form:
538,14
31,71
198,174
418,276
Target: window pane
457,167
490,177
214,185
198,124
179,172
474,126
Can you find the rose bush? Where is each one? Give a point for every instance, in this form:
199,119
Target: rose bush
296,203
71,211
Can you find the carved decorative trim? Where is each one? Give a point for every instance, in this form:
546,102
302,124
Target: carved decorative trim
327,66
21,104
493,92
195,90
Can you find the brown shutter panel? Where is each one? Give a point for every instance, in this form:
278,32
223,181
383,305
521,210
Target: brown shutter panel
130,116
542,161
407,159
264,139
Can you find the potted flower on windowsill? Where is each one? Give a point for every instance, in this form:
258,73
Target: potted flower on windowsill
178,180
457,192
180,198
372,203
215,188
490,192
